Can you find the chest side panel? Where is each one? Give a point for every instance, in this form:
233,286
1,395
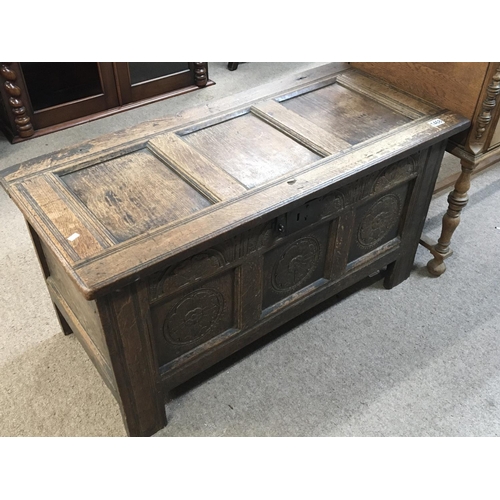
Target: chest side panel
84,310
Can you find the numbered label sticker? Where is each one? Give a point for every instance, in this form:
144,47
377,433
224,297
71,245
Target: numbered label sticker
436,122
73,237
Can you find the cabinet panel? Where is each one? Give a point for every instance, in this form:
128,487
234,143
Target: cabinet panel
141,72
138,81
60,92
193,317
370,118
52,84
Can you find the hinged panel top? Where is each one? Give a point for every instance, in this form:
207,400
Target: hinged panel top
119,209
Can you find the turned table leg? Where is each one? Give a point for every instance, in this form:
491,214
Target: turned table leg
457,200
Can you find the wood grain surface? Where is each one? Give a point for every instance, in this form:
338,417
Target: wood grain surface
452,85
134,193
353,118
196,168
300,129
250,150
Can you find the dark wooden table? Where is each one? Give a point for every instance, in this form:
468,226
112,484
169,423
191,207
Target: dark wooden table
171,245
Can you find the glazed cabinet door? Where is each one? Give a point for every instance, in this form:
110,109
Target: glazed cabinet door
143,80
60,92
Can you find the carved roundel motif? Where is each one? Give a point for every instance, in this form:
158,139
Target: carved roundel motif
379,220
296,264
395,173
194,316
333,202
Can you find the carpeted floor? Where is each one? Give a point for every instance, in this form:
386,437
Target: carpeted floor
420,360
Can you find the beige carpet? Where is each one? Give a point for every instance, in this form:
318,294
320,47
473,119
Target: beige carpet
422,359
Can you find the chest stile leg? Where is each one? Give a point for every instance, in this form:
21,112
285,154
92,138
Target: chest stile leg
127,326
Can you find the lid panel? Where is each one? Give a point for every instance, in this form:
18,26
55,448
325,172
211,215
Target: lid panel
215,183
345,113
134,193
305,131
69,231
251,150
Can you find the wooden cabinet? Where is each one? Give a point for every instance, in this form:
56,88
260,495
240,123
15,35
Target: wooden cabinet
471,89
38,98
171,246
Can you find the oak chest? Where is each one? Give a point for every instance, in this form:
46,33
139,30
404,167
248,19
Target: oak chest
171,245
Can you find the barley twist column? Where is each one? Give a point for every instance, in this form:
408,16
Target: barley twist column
21,118
200,74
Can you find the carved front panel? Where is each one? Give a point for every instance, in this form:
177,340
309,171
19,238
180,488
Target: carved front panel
213,261
396,173
298,262
188,271
192,301
338,200
377,222
193,316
